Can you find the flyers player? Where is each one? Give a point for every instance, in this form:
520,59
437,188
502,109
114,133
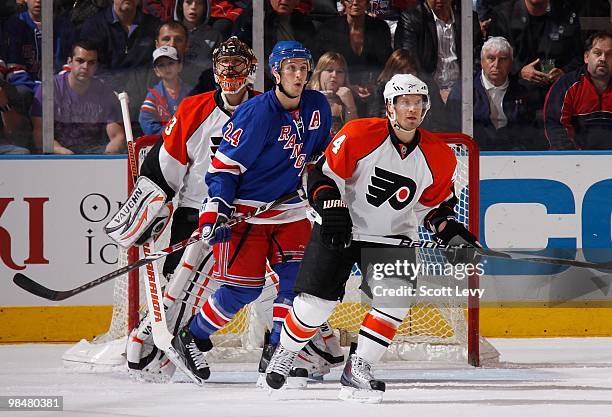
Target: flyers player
378,177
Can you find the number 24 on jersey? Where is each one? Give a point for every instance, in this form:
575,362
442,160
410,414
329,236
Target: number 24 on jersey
232,137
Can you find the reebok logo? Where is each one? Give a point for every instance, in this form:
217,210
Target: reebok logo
389,186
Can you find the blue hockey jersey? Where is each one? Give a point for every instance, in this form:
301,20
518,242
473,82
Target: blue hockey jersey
264,151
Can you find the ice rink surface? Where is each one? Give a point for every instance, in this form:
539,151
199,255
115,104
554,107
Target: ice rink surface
537,378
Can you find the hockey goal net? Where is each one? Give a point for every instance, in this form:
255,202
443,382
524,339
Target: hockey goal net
447,329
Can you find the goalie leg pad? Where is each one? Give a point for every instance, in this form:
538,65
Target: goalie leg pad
145,362
136,216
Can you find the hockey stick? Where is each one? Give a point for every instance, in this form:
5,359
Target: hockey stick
36,288
409,243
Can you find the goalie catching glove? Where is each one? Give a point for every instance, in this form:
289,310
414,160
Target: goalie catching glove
213,218
144,214
336,225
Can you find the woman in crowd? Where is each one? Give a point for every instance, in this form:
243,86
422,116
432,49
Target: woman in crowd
331,78
364,41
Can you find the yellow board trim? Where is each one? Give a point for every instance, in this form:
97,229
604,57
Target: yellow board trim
52,323
57,324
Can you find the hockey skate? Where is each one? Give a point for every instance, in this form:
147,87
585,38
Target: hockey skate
319,356
358,384
297,378
279,367
189,357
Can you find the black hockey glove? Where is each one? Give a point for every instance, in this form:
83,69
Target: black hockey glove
336,225
454,234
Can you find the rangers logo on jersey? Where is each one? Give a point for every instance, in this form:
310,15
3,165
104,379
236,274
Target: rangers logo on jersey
389,186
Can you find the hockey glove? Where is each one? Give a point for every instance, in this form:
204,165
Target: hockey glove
336,225
454,234
213,218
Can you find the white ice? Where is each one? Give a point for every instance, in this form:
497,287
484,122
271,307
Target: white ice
537,378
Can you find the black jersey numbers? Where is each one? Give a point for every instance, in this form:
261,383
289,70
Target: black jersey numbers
389,186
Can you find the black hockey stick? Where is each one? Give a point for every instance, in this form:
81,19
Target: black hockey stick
40,290
409,243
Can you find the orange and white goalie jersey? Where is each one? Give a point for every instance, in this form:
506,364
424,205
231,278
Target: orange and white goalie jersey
190,140
389,187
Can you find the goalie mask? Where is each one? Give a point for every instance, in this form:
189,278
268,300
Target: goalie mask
234,65
405,84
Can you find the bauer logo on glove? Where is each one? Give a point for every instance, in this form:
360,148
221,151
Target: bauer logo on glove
140,216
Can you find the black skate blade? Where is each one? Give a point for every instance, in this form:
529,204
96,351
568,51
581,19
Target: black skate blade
176,360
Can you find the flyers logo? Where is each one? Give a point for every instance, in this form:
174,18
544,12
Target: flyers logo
215,141
389,186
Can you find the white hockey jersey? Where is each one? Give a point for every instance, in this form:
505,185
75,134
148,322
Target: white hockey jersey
389,187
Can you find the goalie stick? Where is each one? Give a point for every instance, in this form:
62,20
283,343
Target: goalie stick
40,290
409,243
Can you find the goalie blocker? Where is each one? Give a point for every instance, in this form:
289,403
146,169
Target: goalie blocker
144,214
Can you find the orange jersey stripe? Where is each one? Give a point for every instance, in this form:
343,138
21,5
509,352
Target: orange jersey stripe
294,327
380,326
343,154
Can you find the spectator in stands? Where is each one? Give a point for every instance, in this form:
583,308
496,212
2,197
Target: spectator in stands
77,11
539,30
502,118
432,30
281,22
86,110
14,106
63,38
203,39
403,61
578,109
173,34
364,41
162,100
162,9
125,39
224,13
330,77
16,39
389,11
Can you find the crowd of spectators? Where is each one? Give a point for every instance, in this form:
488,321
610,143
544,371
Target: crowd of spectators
540,80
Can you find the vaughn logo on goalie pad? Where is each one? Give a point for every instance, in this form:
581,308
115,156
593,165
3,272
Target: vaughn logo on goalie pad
141,209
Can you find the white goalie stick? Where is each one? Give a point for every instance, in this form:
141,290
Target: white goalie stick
409,243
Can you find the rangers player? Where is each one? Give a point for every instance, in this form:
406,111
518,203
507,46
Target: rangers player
265,148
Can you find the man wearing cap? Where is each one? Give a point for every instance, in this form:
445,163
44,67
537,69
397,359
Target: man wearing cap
163,99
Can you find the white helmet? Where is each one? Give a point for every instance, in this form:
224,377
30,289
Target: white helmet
402,84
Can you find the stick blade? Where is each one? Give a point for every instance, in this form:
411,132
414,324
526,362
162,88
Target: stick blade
35,288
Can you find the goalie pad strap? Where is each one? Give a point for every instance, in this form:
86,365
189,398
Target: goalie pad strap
140,210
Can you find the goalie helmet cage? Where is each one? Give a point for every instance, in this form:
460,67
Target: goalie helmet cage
428,329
